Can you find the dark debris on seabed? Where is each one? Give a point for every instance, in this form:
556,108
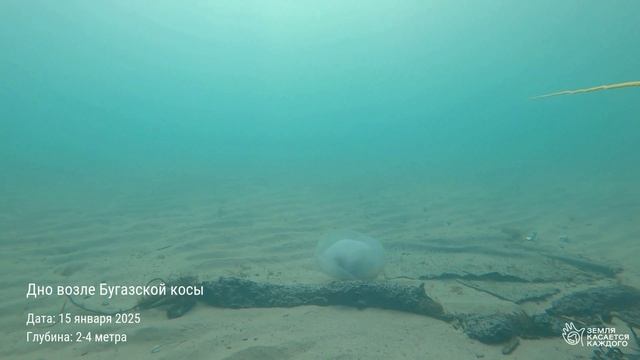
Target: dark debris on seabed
594,306
591,307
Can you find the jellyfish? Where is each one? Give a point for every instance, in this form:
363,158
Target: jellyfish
350,255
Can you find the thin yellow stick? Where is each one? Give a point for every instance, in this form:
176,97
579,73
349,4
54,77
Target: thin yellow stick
595,88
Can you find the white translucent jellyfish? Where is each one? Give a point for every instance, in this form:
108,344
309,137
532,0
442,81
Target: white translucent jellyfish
349,255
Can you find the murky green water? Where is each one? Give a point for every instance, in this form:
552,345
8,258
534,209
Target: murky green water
233,135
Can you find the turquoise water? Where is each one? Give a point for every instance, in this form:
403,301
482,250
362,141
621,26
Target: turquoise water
427,85
302,117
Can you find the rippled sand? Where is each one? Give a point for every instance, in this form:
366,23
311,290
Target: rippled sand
266,231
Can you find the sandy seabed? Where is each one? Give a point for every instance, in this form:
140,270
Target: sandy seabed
267,231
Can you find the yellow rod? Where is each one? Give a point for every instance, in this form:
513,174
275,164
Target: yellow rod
595,88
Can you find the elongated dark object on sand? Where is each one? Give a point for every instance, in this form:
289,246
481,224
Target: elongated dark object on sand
591,89
590,306
241,293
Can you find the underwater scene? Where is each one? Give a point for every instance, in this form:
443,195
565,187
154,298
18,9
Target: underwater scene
280,179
